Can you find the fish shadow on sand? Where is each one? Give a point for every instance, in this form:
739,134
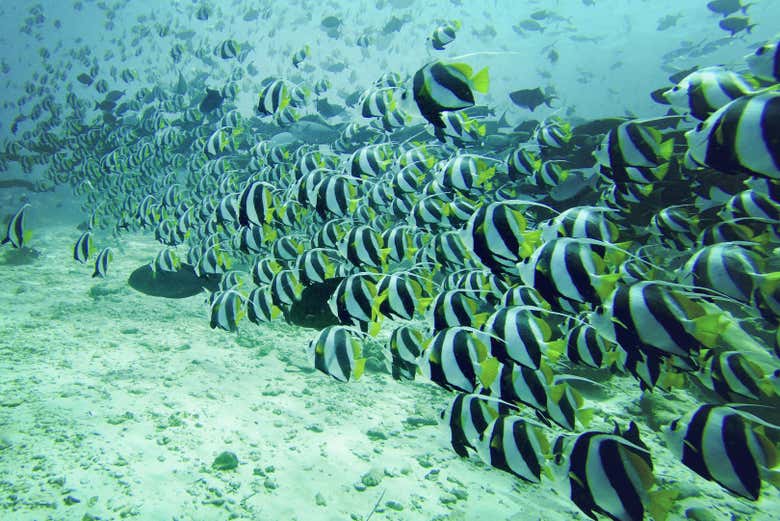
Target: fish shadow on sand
19,256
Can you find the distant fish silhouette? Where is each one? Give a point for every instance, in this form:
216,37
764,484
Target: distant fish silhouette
531,98
212,100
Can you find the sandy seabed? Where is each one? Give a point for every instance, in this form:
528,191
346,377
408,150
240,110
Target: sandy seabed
114,404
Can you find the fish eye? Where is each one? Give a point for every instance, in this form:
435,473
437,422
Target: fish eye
700,126
675,88
760,50
673,426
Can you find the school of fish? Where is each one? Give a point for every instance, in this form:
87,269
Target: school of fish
492,261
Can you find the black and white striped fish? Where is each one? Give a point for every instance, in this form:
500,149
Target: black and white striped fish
728,268
338,352
399,296
166,260
517,384
514,445
16,235
440,86
452,358
274,97
83,247
706,90
467,418
527,337
721,444
101,262
260,307
612,474
765,61
569,272
741,137
362,246
405,347
256,204
444,35
737,377
227,310
633,144
353,300
497,233
652,317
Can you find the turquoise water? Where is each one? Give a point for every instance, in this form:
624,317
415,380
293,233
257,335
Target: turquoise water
305,267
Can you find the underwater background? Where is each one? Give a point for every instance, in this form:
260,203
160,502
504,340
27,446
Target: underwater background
389,259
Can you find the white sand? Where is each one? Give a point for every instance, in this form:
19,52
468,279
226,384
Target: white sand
122,402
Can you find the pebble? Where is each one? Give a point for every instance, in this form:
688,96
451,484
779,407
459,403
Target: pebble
460,493
448,499
394,505
419,421
424,461
376,435
700,514
225,461
372,478
320,500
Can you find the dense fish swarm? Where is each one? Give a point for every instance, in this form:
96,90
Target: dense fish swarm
514,264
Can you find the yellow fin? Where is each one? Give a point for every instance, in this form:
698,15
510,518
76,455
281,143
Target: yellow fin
667,149
555,349
585,415
360,366
480,318
613,256
606,285
661,502
488,371
556,392
660,171
374,328
481,81
707,328
769,282
463,68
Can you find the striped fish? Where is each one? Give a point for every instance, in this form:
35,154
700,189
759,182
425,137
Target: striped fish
83,247
451,359
706,90
101,262
741,137
467,417
444,35
720,444
227,310
440,86
16,235
405,347
765,62
337,352
611,474
514,445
